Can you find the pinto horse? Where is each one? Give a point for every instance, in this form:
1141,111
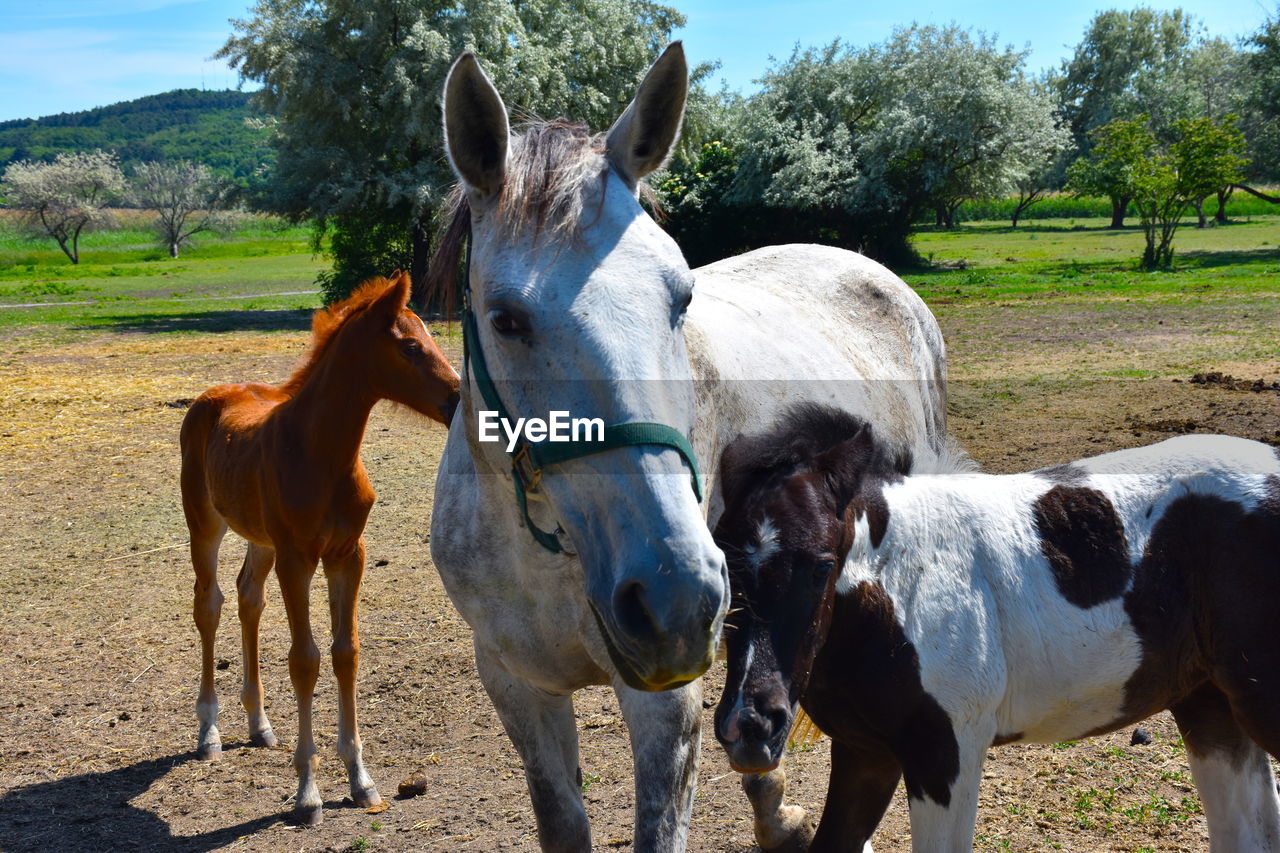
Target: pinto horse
280,465
921,613
598,567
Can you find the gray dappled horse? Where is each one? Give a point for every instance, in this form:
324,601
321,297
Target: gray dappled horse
599,568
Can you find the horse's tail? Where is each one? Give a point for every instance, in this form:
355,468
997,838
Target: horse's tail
804,731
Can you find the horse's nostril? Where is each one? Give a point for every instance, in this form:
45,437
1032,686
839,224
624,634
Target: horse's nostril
777,719
754,727
635,618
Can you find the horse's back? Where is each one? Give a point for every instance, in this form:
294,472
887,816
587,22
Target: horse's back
810,323
828,311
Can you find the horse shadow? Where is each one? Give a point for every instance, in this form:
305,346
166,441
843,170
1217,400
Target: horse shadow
91,812
256,320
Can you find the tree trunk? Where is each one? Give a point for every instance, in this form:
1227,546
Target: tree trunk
173,249
1118,207
940,216
1221,216
1198,204
421,261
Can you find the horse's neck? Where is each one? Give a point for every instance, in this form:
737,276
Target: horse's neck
932,514
328,412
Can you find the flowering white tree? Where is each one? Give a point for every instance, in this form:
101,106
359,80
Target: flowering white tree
355,87
65,198
185,197
875,137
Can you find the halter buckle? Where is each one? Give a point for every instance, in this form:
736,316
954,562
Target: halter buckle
522,467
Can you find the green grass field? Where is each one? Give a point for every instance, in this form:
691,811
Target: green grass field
124,277
1076,260
126,281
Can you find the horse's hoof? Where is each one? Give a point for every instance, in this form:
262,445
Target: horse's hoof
366,799
265,738
209,752
307,816
797,842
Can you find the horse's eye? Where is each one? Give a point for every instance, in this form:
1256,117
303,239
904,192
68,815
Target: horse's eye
683,307
508,323
411,347
823,569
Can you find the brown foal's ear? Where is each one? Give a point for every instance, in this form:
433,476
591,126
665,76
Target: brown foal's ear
844,466
476,131
395,298
643,137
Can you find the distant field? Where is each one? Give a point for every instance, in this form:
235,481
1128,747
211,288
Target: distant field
1083,259
125,276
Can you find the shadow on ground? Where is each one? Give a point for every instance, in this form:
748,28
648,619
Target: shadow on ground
91,812
257,320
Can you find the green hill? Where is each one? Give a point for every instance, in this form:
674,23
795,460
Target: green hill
208,127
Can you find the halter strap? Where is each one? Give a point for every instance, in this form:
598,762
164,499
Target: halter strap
528,459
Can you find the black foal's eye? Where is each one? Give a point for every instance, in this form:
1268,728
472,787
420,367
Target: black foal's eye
508,323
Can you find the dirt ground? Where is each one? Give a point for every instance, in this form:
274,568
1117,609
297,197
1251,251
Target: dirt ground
98,653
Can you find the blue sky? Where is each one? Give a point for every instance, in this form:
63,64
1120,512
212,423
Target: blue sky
65,55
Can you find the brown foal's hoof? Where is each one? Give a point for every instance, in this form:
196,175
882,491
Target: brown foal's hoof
307,816
265,738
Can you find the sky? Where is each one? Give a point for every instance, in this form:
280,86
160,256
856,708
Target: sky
67,55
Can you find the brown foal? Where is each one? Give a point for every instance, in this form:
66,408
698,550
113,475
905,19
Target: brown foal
280,465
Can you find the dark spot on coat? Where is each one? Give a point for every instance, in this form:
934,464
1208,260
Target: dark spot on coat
1202,602
866,685
1083,539
1066,474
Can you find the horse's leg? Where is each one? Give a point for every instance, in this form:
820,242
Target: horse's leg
543,730
344,578
862,784
251,591
206,537
778,828
944,799
294,572
1231,772
664,731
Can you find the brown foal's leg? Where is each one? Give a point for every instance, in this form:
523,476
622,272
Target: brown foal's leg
251,588
344,578
206,536
294,572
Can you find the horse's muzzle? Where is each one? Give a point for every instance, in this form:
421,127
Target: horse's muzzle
655,643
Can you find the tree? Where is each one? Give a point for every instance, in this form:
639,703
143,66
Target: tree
1262,105
1162,180
355,87
185,197
65,198
856,145
1115,70
1209,157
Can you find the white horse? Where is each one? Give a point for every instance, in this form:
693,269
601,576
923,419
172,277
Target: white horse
578,302
921,618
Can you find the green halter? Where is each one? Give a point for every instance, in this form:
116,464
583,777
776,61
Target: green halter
528,459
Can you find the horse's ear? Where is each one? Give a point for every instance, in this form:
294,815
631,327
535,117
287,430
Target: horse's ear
644,135
475,128
730,473
395,298
845,465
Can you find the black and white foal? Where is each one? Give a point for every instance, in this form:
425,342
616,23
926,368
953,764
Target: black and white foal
920,618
